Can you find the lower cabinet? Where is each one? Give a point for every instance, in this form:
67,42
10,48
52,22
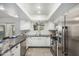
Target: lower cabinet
15,51
7,54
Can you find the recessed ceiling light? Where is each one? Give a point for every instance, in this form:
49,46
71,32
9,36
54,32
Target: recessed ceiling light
13,15
39,12
16,16
77,18
2,8
38,7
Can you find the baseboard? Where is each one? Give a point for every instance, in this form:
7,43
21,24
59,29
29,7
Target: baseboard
39,47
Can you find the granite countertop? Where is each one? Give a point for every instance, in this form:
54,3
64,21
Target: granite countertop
10,46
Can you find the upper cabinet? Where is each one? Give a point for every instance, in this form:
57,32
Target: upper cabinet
49,26
25,25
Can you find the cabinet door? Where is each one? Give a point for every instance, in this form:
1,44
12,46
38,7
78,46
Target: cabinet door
38,41
16,51
7,54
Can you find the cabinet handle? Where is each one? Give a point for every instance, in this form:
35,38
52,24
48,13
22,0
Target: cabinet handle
16,46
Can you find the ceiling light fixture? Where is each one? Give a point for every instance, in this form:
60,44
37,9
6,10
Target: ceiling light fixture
16,16
77,18
39,7
2,8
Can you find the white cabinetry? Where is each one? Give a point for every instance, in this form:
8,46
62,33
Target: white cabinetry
16,51
49,26
7,54
38,41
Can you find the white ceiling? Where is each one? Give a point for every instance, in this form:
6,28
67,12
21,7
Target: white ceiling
7,10
11,10
27,11
35,11
39,11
